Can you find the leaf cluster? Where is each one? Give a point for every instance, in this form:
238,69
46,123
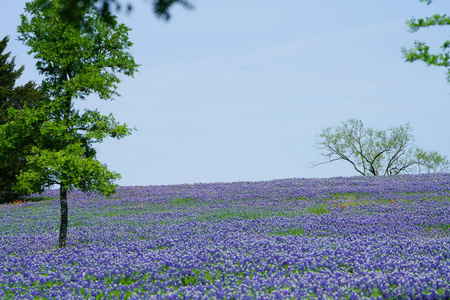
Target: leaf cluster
421,51
76,61
68,167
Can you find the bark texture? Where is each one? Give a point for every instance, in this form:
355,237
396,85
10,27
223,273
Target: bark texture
64,217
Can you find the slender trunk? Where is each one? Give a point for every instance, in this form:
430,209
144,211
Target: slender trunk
64,210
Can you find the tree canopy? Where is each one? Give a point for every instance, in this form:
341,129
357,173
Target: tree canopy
378,152
76,62
13,97
421,51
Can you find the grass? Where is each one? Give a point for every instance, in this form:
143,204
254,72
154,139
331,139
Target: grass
348,196
257,214
291,231
184,201
225,214
85,217
245,214
444,228
368,202
302,198
318,209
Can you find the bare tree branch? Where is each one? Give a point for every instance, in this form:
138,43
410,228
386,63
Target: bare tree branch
375,151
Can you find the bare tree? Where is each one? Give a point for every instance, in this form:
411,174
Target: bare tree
377,152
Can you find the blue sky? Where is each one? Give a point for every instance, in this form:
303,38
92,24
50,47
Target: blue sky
238,90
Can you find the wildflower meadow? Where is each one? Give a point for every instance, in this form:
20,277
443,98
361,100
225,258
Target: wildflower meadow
336,238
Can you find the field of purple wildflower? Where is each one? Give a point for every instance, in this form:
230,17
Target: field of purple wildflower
337,238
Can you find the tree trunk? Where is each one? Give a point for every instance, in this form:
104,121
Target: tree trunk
64,218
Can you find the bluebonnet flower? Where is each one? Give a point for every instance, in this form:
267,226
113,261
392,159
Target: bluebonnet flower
286,238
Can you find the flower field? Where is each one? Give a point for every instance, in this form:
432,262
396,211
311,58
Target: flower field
336,238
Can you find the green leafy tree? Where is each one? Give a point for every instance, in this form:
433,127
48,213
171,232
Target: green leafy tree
421,51
17,97
378,152
430,161
76,62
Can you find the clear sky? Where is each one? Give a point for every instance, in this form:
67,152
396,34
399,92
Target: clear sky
238,90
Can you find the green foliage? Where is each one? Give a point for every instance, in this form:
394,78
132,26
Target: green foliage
14,97
68,167
190,279
76,62
376,292
440,291
431,162
10,95
420,51
378,152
